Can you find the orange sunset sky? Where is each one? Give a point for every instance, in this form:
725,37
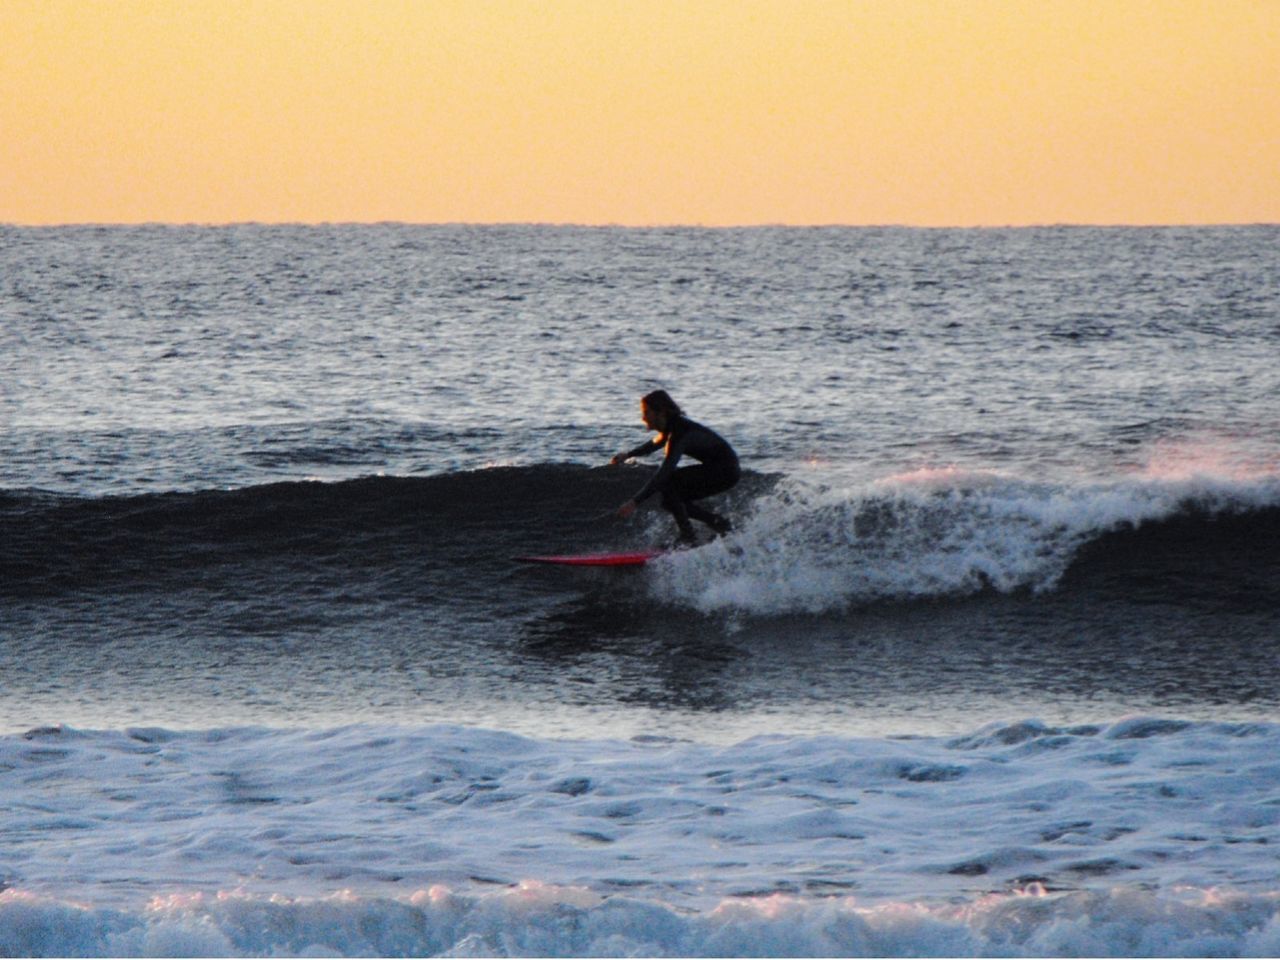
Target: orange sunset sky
930,112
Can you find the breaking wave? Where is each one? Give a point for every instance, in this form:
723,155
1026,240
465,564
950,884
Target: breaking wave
945,534
797,548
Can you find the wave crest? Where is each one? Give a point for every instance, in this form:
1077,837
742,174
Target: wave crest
945,534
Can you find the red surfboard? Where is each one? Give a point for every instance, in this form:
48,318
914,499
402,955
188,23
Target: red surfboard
635,559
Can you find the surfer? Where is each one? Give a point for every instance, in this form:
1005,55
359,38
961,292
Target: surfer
716,472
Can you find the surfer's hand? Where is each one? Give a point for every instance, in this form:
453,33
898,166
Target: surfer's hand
627,509
616,459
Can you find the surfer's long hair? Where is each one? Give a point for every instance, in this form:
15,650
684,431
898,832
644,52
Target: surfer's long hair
661,400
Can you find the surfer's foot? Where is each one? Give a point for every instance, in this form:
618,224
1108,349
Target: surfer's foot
687,538
720,525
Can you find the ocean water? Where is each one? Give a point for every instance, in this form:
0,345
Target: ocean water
990,664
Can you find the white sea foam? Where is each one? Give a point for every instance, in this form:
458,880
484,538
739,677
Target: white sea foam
1144,836
536,920
811,548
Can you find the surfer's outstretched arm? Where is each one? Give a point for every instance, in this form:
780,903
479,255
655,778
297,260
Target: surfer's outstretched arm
646,448
643,450
675,450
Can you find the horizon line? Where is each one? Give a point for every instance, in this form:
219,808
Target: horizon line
672,225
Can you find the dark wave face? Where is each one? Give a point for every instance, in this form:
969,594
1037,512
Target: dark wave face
392,597
378,539
383,534
1199,560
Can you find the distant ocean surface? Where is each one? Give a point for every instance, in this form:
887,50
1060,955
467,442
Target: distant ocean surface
990,664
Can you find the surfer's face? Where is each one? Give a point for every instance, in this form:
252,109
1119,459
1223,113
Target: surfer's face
653,419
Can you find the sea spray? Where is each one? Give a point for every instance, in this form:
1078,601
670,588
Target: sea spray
810,548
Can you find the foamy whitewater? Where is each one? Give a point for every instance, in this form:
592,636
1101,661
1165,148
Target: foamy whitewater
989,665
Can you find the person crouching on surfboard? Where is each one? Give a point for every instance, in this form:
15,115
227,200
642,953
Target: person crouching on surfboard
717,471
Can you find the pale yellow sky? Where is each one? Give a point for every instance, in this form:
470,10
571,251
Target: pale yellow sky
931,112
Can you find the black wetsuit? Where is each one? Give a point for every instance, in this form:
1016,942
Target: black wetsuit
716,472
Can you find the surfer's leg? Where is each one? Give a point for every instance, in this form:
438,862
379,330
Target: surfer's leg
695,483
679,509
